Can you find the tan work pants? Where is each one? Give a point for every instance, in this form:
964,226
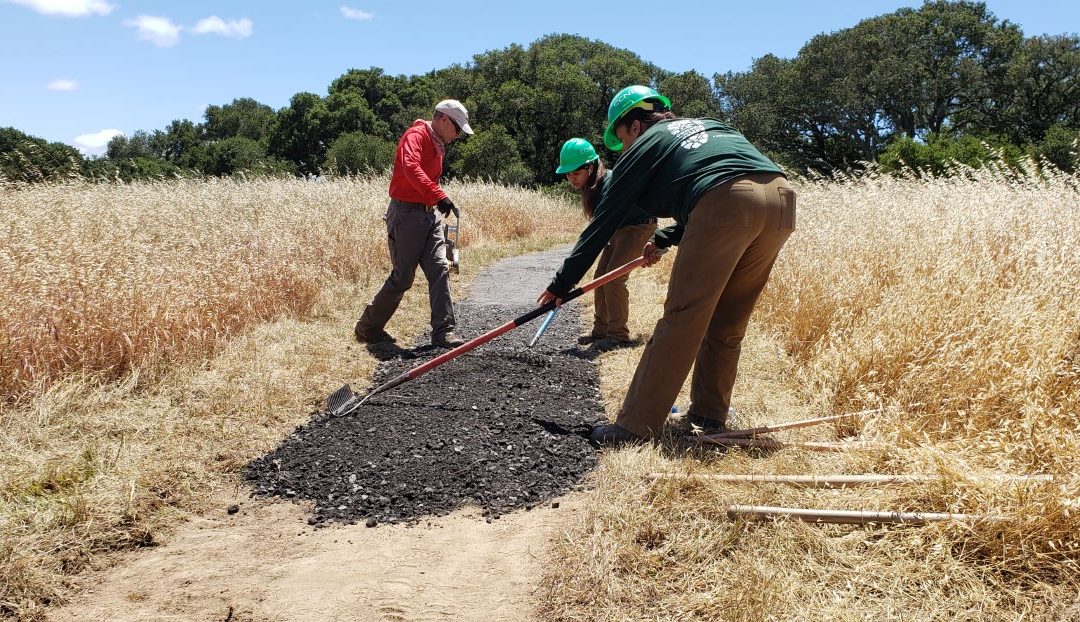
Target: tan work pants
731,242
612,301
415,238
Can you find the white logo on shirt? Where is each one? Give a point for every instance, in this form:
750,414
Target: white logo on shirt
690,131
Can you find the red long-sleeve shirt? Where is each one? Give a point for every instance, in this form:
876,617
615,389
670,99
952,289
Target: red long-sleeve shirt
417,166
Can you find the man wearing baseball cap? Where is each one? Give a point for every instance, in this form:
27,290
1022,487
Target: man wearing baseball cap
413,232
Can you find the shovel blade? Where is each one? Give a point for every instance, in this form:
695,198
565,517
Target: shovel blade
342,401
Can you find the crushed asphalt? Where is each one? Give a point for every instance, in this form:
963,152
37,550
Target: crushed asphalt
501,427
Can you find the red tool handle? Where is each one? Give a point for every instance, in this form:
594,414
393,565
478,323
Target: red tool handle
531,315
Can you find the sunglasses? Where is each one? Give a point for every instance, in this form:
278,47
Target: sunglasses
456,126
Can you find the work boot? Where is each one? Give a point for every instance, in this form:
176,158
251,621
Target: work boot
707,426
366,335
613,435
588,338
609,343
447,340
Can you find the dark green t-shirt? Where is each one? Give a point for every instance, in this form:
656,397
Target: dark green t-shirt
632,214
665,172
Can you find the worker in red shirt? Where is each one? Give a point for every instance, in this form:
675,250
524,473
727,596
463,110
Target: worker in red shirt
413,232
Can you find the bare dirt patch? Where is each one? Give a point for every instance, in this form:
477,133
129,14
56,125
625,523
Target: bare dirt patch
471,461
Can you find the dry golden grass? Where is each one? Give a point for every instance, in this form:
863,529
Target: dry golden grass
947,304
157,337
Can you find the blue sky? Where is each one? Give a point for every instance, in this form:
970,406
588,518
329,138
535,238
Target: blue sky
77,71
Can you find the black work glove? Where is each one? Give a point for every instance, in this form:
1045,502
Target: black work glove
445,206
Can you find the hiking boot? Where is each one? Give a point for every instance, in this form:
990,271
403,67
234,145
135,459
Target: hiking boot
703,425
588,338
607,344
366,335
613,435
706,426
447,340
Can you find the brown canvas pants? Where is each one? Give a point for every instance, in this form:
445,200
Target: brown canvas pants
730,244
415,237
612,301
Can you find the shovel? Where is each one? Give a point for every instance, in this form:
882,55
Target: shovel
543,327
453,246
345,401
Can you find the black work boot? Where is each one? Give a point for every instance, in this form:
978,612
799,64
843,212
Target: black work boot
588,338
366,335
613,435
707,425
447,340
609,343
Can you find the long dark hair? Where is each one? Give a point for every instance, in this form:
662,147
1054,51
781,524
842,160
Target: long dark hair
588,191
647,117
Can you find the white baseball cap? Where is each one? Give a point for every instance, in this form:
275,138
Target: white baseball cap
453,109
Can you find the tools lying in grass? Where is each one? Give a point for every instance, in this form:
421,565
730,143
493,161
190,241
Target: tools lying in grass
850,517
833,481
768,443
748,437
344,401
791,425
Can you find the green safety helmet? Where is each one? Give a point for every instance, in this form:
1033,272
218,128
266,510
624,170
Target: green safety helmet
575,153
631,97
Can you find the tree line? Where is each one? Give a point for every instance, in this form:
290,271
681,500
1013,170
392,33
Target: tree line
919,88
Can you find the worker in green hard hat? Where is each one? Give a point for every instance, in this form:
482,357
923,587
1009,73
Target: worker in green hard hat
733,211
586,172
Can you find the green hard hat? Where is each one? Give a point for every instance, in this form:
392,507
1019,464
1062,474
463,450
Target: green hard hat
575,153
631,97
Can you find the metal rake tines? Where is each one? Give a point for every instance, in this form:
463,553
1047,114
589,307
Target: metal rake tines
342,401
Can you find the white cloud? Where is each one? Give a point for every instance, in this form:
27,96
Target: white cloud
158,30
235,28
94,144
68,8
351,13
60,84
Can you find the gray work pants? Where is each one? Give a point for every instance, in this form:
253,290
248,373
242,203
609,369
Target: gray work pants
414,235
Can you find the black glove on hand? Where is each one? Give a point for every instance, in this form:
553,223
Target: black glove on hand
445,206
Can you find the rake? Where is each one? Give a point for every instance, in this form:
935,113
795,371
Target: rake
344,401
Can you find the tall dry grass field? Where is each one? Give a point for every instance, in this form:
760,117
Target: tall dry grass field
948,307
156,336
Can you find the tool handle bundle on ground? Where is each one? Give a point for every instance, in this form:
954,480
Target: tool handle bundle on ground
851,517
792,425
492,334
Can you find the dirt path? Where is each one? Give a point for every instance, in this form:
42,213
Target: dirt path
265,562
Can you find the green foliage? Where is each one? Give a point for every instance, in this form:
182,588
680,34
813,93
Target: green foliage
243,117
232,155
178,143
948,68
300,133
1060,148
358,153
136,168
940,154
492,154
122,147
29,159
924,86
691,95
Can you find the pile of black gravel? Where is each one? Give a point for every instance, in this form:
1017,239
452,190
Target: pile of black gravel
501,427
